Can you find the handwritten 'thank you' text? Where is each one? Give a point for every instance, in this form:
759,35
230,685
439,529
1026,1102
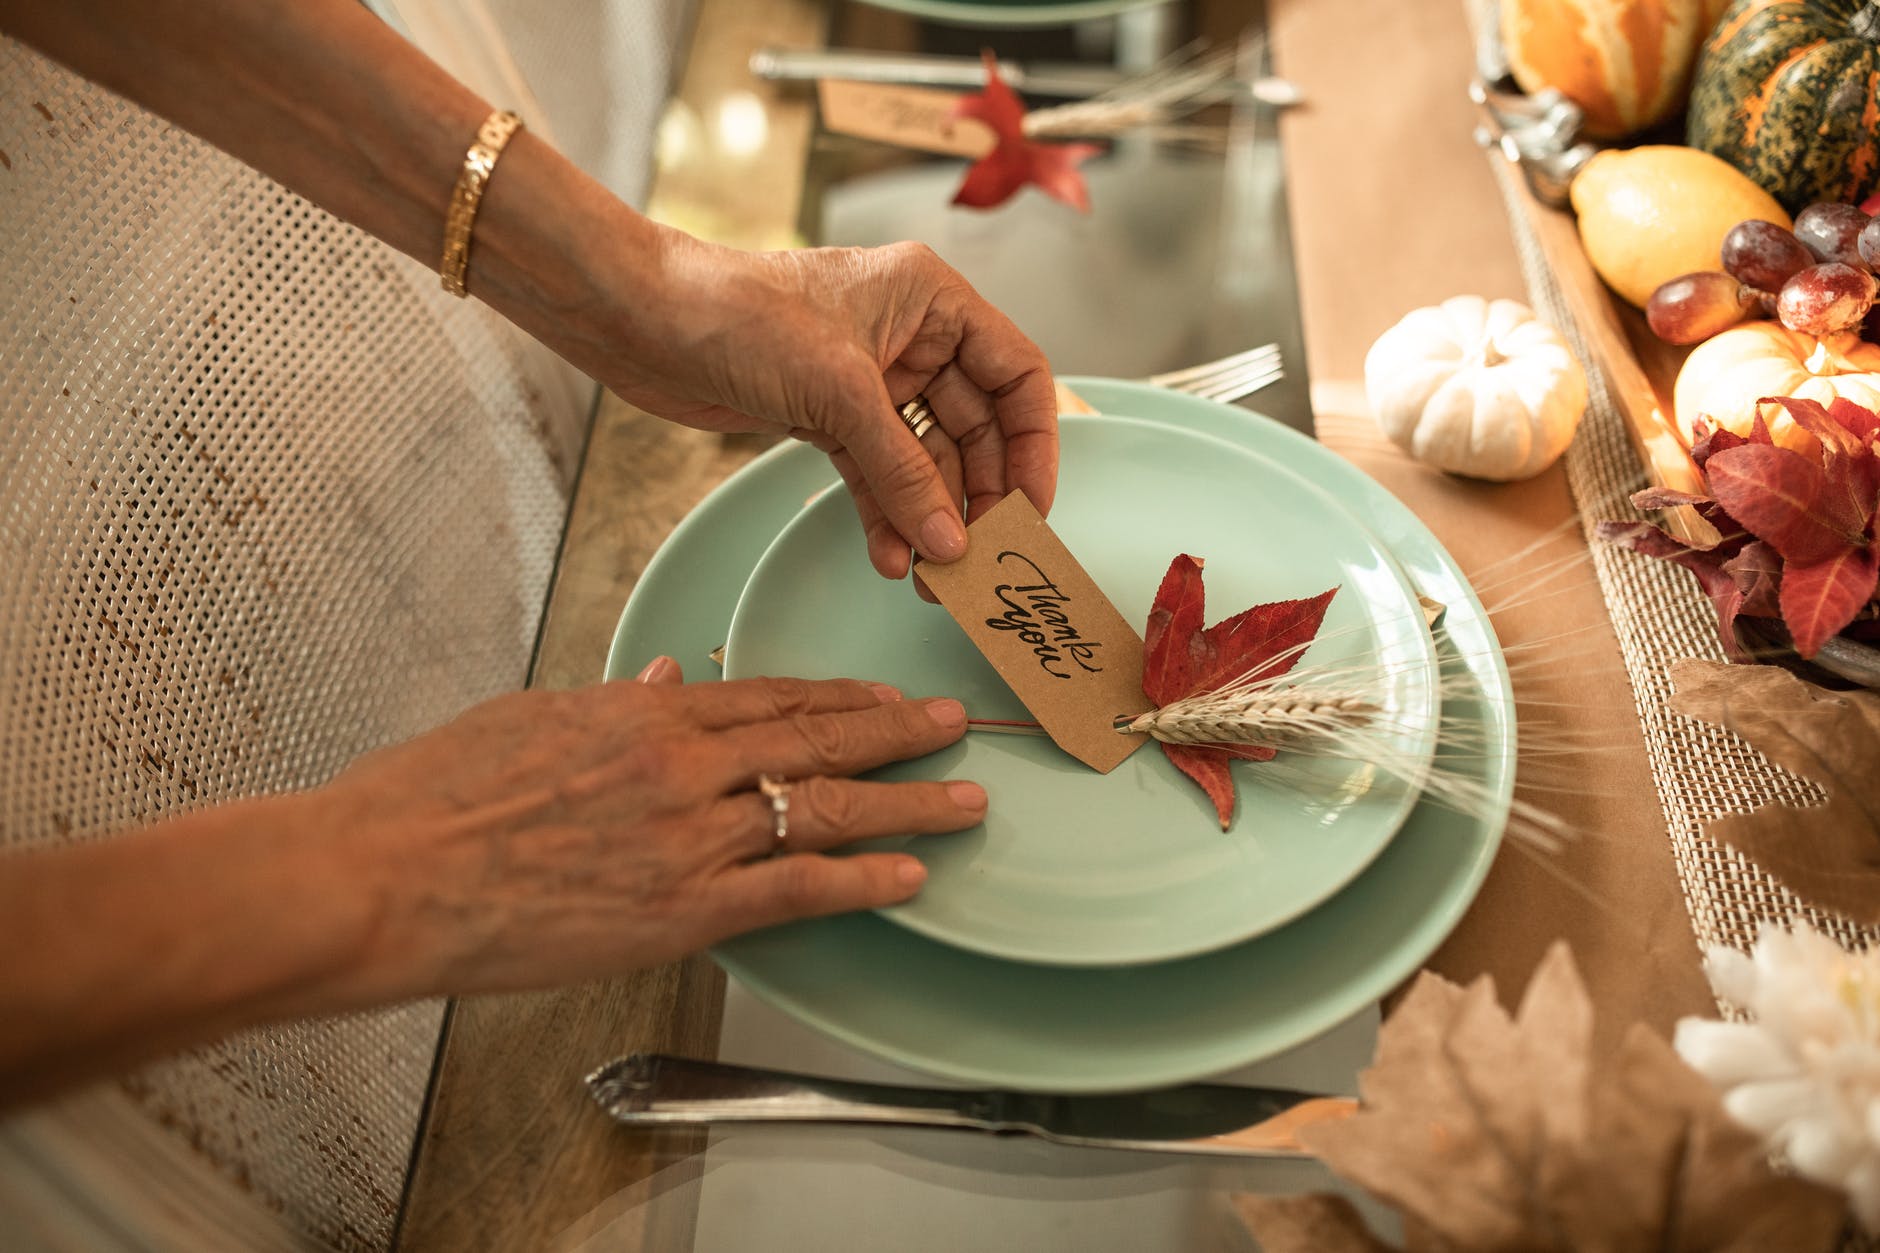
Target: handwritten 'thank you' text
1040,613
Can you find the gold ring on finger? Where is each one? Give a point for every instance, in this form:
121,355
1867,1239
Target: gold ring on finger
918,415
776,790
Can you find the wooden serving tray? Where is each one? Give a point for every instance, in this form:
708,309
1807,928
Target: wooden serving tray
1640,368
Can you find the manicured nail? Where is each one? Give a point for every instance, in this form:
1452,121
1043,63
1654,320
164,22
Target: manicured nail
656,669
885,694
968,796
910,873
942,537
948,713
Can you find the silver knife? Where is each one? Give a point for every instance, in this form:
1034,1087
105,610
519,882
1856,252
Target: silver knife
656,1089
1070,81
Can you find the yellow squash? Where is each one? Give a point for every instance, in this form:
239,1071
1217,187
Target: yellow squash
1652,213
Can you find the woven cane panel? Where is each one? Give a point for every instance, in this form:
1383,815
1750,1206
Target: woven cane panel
268,499
1702,771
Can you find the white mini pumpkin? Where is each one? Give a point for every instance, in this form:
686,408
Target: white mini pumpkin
1476,387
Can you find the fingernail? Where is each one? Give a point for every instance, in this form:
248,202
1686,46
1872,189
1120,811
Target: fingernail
885,694
910,873
942,537
948,713
966,795
655,670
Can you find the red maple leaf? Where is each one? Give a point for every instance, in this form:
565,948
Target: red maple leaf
1017,160
1181,659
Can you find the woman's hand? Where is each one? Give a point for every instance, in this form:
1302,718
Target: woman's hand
540,839
549,837
827,344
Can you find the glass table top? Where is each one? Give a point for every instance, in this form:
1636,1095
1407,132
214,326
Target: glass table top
1185,257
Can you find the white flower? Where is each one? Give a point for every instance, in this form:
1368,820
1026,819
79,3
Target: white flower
1805,1074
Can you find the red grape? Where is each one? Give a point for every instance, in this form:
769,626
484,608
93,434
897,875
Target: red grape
1832,232
1826,298
1869,244
1693,307
1764,255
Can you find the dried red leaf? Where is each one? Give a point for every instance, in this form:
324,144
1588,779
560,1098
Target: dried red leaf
1850,470
1757,572
1812,416
1644,538
1174,620
1710,441
1666,498
1861,421
1797,530
1820,597
1706,563
1181,659
1730,532
1208,767
1016,160
1786,499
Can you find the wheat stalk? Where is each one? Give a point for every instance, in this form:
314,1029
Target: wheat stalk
1255,714
1165,94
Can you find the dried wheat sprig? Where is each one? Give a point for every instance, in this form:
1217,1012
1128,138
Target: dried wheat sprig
1271,717
1162,95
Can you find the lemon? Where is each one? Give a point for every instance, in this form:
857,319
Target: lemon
1649,214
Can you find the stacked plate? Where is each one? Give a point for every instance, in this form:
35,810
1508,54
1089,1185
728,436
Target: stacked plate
1011,12
1100,932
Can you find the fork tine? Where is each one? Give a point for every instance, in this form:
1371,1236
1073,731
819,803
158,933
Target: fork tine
1245,386
1266,354
1237,386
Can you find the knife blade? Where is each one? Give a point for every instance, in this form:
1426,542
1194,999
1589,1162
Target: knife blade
657,1089
1069,81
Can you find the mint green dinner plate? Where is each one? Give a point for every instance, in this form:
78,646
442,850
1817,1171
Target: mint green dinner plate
1077,868
1012,13
885,990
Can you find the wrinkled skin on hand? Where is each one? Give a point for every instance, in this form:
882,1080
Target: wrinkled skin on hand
548,837
826,344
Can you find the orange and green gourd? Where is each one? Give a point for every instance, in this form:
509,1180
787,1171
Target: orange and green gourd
1626,63
1788,91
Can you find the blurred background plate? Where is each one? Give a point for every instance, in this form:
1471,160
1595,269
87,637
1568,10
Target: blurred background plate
1017,13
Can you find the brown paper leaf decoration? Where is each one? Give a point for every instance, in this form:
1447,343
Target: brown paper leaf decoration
1828,855
1324,1224
1496,1133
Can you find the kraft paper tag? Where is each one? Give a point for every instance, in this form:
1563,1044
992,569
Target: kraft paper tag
911,117
1048,630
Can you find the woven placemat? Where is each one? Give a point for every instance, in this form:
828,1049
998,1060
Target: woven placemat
1660,616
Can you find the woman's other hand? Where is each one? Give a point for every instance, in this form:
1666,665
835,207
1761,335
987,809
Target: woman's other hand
827,344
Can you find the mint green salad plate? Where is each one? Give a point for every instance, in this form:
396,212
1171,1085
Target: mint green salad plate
886,990
1077,868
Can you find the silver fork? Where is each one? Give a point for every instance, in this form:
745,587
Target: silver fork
1228,379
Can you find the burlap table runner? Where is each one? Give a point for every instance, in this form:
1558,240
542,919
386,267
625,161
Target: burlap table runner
1702,771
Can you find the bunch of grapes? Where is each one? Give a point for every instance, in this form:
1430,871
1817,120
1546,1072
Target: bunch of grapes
1817,279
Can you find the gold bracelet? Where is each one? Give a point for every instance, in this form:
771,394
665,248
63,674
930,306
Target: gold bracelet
468,194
